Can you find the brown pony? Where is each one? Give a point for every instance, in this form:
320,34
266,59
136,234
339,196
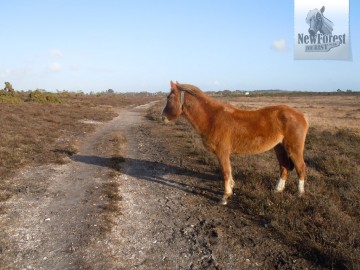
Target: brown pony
226,130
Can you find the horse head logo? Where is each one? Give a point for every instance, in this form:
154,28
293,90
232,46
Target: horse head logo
318,22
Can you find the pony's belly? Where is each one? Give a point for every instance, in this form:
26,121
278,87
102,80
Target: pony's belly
256,145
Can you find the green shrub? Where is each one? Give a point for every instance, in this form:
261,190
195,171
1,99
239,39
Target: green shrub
9,99
7,95
43,97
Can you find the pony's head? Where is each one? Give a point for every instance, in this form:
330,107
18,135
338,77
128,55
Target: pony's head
174,104
318,22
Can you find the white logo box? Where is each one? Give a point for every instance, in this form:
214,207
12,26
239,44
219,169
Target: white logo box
322,30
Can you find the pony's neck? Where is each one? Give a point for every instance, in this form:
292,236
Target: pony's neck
197,110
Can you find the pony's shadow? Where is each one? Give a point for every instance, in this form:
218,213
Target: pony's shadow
160,173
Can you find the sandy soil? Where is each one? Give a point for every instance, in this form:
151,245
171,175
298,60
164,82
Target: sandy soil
166,219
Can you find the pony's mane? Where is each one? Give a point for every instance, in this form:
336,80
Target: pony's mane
195,91
192,89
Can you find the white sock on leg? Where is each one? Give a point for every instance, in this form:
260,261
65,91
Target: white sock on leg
280,186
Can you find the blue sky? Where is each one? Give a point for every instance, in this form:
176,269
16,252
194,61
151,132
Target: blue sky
141,45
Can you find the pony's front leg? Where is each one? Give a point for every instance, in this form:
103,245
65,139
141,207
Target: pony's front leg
228,180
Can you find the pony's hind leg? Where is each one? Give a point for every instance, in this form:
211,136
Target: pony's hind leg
285,165
297,158
229,183
301,171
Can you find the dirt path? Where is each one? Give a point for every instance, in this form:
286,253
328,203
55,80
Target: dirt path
166,218
56,219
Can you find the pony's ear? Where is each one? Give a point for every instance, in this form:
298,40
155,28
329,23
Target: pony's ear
322,9
173,85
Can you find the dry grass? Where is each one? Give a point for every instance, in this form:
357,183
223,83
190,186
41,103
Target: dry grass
324,224
326,112
111,146
42,133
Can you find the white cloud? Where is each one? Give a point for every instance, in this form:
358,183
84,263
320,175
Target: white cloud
279,45
55,67
56,53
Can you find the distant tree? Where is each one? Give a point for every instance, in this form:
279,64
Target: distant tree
110,91
226,92
339,90
8,88
349,91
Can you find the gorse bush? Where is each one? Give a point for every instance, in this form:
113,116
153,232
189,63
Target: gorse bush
9,99
7,95
43,97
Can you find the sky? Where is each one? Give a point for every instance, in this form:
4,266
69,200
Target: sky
140,45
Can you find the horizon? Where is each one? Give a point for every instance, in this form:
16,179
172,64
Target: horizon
221,91
139,46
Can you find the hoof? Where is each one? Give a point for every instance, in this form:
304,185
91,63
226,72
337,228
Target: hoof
224,200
